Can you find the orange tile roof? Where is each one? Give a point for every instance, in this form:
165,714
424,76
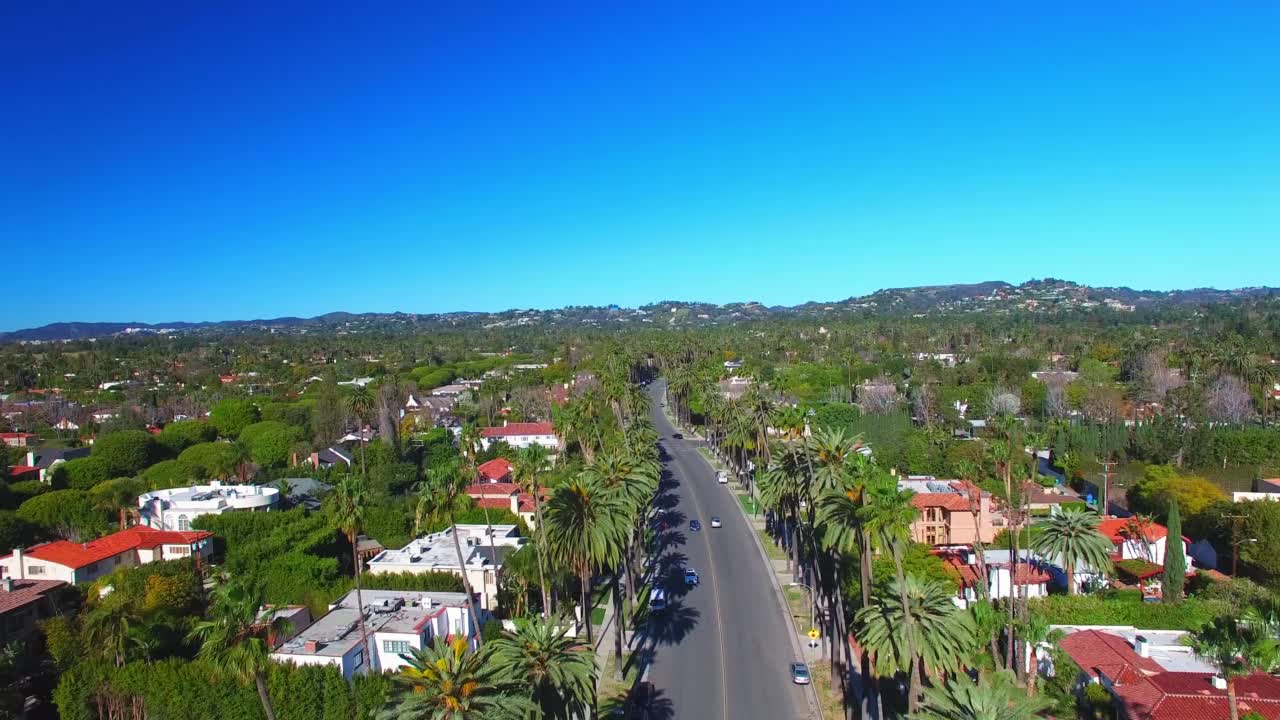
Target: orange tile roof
495,470
511,429
78,555
1192,696
1114,528
1101,652
947,501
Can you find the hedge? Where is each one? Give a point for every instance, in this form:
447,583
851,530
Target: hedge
1190,614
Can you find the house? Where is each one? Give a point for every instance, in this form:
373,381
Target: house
45,459
18,473
732,364
19,439
947,509
1135,541
77,563
1198,695
497,470
1263,489
65,425
506,496
101,416
946,360
329,457
305,492
25,602
482,556
521,435
1003,575
1055,377
1049,501
175,508
397,622
356,382
297,617
449,390
735,387
355,436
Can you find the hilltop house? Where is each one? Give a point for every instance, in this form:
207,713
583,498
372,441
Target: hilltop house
25,602
175,508
1003,575
77,563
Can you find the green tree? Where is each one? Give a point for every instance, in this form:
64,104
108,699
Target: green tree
180,435
992,697
326,418
15,532
350,500
540,655
527,470
231,642
1237,648
1071,537
1175,563
587,526
232,415
270,442
360,402
80,474
444,681
68,514
212,460
117,631
118,497
126,452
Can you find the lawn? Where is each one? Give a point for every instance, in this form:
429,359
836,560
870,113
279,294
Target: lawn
828,696
751,506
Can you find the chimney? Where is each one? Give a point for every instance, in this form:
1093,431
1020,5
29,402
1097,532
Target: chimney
20,563
315,461
31,458
515,504
6,584
1219,682
1142,646
311,646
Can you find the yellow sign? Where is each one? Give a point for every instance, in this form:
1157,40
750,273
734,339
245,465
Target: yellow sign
813,633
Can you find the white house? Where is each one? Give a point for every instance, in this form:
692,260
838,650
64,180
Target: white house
397,623
175,508
356,382
1127,545
482,556
449,390
85,562
522,435
1003,574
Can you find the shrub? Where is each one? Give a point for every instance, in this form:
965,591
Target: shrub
270,441
170,473
428,581
66,513
15,531
126,452
27,489
81,473
1094,610
211,460
233,415
179,436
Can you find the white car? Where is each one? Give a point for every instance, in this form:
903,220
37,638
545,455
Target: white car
715,521
722,478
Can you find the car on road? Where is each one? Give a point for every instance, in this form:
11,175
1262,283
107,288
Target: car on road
657,599
691,576
677,436
715,521
722,477
799,673
694,526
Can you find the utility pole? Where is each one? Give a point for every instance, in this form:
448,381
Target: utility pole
1106,488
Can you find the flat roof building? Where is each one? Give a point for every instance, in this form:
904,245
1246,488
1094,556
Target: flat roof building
482,556
175,508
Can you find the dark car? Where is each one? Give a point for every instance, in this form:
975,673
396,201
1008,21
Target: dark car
677,436
694,526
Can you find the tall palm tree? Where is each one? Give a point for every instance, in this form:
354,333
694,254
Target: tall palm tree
528,467
1072,538
231,640
443,681
350,500
116,631
443,487
1238,649
992,697
586,529
361,403
542,657
117,496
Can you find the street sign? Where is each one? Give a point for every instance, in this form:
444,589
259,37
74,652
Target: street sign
813,633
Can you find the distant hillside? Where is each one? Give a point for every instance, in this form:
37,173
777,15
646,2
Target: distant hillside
1047,295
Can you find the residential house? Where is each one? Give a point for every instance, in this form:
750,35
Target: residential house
482,556
1050,501
507,496
1263,489
296,617
397,623
522,435
356,382
1132,542
449,390
1198,695
305,492
25,602
497,470
175,508
45,459
1003,575
732,364
66,425
329,457
19,439
19,473
947,512
76,563
947,360
735,387
1055,377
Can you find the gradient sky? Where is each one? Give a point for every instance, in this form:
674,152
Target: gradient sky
182,161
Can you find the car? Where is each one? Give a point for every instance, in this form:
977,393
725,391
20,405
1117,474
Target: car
657,599
722,477
715,521
799,673
694,526
691,576
677,436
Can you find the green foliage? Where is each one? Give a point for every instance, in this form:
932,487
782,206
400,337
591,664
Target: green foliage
65,513
1236,593
297,414
1175,563
211,460
20,492
62,640
171,586
291,554
178,436
270,442
1161,485
428,581
438,449
232,415
170,473
15,531
81,473
1261,559
1095,610
126,452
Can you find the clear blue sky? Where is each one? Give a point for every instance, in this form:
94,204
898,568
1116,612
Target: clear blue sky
183,162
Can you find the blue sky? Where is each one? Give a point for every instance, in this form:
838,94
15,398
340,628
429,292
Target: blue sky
179,161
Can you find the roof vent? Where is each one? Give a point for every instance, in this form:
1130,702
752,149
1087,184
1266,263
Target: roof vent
1142,646
312,646
1219,682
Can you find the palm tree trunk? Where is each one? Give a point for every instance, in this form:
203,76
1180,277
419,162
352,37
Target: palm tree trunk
542,549
466,583
364,632
1071,576
909,628
260,679
1232,708
619,619
584,577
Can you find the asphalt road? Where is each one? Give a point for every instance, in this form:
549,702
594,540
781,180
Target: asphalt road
720,650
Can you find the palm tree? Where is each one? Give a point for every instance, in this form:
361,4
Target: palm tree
231,640
541,656
1073,539
443,487
117,631
528,467
117,496
913,626
586,529
445,682
350,500
1238,648
361,403
993,697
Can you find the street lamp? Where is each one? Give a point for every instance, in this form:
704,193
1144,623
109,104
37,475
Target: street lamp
1235,553
812,601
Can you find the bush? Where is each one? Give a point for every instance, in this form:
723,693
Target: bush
27,489
211,460
179,436
170,473
81,473
15,531
1190,614
428,581
270,441
125,453
66,513
233,415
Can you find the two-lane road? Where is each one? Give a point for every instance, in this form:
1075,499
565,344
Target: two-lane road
721,649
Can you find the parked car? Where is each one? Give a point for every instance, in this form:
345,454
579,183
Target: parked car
657,599
722,477
715,521
799,673
677,436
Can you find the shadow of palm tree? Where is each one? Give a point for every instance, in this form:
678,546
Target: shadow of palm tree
672,625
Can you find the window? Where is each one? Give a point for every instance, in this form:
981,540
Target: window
35,569
179,550
184,524
397,647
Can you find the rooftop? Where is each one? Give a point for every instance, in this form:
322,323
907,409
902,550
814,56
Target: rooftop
213,495
24,592
78,555
437,551
495,470
392,611
511,429
1192,696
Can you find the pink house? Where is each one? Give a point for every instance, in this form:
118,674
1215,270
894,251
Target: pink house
951,512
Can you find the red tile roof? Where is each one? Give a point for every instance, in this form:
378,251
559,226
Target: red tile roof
492,489
1114,528
947,501
17,471
25,592
1192,696
1100,652
511,429
495,470
78,555
16,436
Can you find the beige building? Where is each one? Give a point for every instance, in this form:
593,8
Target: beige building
951,512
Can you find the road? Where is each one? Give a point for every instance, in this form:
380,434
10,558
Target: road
721,649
